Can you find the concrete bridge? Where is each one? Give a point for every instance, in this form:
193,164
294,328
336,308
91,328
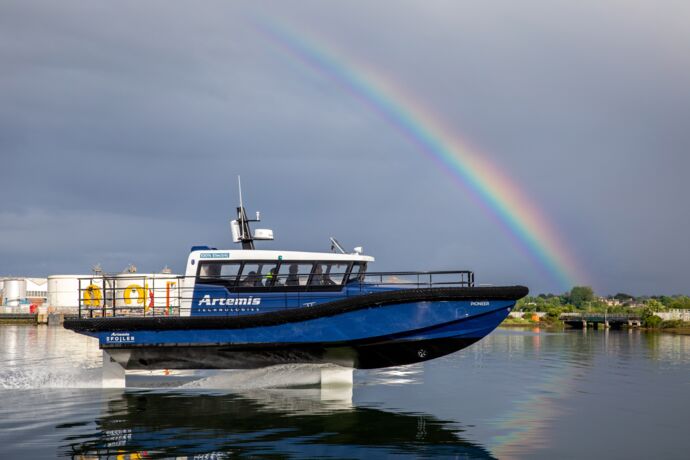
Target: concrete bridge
583,320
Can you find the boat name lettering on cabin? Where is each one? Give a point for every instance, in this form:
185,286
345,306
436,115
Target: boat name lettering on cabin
480,304
208,301
214,255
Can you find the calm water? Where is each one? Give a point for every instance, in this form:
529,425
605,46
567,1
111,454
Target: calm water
516,394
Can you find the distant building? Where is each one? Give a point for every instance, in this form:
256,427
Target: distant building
610,301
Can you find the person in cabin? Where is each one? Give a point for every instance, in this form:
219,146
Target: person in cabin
272,278
257,280
292,279
249,280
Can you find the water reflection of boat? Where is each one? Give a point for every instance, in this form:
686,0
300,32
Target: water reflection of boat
281,423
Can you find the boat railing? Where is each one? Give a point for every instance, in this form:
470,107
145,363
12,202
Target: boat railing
130,295
166,295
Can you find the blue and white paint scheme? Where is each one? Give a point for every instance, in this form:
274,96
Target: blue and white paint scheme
251,308
206,295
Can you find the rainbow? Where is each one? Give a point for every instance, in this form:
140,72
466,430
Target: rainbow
489,187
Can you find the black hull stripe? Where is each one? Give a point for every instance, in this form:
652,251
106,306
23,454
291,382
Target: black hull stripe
168,323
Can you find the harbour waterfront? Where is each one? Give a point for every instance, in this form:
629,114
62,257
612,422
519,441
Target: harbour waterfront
515,394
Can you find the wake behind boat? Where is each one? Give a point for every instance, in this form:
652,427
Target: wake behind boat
249,308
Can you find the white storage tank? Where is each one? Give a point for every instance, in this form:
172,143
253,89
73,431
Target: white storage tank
2,291
147,293
36,290
14,291
64,291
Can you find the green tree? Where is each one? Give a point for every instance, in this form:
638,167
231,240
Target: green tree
581,294
666,300
652,321
680,301
654,305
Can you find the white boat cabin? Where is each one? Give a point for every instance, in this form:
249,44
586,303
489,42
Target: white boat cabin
275,270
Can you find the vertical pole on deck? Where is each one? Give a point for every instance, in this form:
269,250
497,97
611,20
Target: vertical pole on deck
79,296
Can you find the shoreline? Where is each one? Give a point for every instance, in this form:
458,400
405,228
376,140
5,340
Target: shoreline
557,327
545,326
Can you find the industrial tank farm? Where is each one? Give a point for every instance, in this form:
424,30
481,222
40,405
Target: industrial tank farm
155,292
22,295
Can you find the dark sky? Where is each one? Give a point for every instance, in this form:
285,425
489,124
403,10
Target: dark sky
123,126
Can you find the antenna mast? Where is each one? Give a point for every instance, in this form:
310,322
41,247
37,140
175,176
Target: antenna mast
239,184
241,233
245,235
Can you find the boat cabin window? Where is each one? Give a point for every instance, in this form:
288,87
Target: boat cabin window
329,274
219,272
357,273
292,275
209,271
259,274
295,274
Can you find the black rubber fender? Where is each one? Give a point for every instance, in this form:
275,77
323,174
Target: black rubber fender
168,323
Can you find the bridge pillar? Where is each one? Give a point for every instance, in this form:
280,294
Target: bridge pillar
606,325
584,324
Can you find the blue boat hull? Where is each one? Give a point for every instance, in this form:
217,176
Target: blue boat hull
380,330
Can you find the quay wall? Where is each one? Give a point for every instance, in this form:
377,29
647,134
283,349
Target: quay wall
683,315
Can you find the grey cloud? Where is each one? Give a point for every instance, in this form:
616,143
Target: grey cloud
123,126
